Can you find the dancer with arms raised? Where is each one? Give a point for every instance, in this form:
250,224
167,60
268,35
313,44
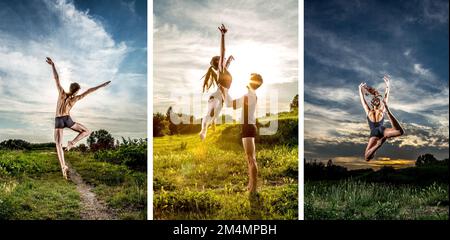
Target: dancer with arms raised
66,100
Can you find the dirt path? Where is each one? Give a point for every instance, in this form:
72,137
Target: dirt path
91,207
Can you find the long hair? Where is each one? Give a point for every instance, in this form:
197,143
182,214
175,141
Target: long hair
210,76
372,91
375,95
210,79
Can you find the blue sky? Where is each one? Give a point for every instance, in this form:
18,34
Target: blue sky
262,37
91,42
350,41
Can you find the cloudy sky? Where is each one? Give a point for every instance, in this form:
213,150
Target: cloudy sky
350,41
262,37
91,42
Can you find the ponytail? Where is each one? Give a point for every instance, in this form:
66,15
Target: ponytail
210,79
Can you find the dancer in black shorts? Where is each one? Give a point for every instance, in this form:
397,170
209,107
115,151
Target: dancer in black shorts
248,124
375,117
63,120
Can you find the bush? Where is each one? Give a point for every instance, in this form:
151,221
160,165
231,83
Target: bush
131,153
100,140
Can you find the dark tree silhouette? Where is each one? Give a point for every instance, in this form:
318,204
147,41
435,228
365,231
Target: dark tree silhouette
426,159
100,140
294,103
160,125
170,115
15,144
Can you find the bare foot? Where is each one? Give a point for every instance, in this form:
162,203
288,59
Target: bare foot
69,146
202,135
66,172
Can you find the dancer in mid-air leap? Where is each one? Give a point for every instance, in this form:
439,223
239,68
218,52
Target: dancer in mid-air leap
217,75
375,117
66,100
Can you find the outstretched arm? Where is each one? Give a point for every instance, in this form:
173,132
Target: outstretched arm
222,30
55,74
91,90
387,80
230,58
363,100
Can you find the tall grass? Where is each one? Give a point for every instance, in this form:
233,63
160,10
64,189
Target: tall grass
357,200
208,180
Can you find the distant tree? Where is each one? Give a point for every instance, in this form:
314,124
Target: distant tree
426,159
294,103
170,115
15,144
330,163
100,140
82,148
160,125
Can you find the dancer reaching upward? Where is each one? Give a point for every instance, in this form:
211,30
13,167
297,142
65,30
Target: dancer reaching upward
66,100
217,75
375,117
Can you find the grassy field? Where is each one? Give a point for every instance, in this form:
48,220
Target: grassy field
32,187
207,180
358,200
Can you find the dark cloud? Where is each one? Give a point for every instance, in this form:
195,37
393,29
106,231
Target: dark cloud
348,42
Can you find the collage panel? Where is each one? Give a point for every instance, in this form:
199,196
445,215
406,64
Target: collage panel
73,110
225,118
376,110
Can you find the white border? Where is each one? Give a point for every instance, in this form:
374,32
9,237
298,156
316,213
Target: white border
301,110
150,110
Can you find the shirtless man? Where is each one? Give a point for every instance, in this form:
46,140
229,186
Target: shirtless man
66,100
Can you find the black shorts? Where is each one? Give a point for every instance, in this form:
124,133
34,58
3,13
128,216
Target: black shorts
63,122
249,130
377,131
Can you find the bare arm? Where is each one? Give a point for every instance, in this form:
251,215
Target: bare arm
55,75
91,90
222,30
363,100
234,103
387,80
230,58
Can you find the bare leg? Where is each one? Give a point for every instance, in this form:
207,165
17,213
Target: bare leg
373,145
396,130
249,148
59,150
213,111
82,133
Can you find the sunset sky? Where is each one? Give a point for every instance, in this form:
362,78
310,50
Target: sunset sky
91,42
262,37
350,41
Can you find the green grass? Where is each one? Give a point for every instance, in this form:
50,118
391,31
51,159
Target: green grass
32,187
357,200
195,180
124,190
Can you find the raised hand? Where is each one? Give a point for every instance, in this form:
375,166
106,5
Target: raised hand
362,85
387,79
49,61
106,83
223,29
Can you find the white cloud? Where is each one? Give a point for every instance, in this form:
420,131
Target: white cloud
186,37
83,52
